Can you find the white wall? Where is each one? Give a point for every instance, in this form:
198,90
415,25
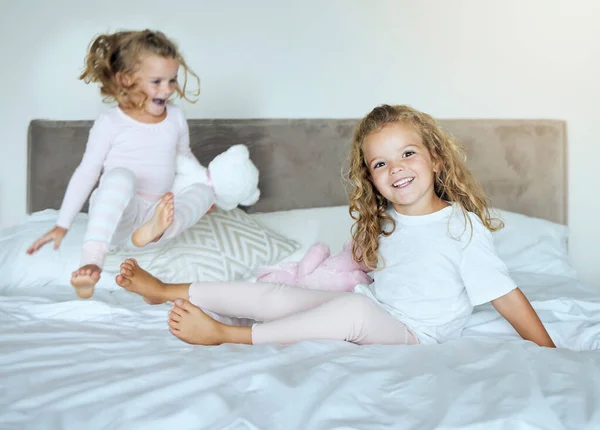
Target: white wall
336,58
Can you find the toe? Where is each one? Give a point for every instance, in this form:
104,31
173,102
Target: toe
183,305
122,281
174,325
174,316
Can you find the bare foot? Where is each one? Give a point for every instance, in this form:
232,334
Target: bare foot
162,219
135,279
84,279
190,324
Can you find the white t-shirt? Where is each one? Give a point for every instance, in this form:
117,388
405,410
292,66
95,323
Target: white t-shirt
433,272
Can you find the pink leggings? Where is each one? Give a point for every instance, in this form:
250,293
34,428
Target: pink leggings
291,314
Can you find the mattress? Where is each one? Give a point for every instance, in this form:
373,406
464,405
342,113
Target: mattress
111,362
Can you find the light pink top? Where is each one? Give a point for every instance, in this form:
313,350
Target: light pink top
117,140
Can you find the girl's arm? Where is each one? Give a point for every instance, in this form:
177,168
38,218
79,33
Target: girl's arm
487,279
517,310
81,183
87,173
183,144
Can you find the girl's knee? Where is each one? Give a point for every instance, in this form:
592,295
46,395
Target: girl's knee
356,304
120,177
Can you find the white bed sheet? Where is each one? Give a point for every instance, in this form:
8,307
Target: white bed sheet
111,363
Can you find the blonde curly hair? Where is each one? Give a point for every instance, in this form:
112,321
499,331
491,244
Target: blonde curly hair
453,182
122,52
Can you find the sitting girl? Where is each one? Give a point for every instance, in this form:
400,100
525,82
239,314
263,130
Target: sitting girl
423,227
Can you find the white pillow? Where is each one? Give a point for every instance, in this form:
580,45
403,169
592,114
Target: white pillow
223,246
533,245
47,266
329,225
525,244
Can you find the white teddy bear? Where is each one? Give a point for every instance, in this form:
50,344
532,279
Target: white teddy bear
231,174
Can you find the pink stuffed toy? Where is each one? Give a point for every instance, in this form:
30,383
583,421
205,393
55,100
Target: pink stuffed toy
319,270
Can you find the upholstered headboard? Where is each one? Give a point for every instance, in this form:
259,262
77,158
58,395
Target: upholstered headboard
521,164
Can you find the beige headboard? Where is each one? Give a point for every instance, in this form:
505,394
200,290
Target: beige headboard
521,164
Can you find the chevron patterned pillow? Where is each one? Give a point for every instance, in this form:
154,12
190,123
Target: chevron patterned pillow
222,246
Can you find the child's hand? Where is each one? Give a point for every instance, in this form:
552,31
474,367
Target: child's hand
211,210
56,235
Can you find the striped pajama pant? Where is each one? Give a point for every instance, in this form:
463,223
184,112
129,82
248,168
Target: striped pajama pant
116,211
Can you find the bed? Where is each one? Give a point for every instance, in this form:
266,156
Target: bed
111,363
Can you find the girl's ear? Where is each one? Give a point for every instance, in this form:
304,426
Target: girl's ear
124,80
119,79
